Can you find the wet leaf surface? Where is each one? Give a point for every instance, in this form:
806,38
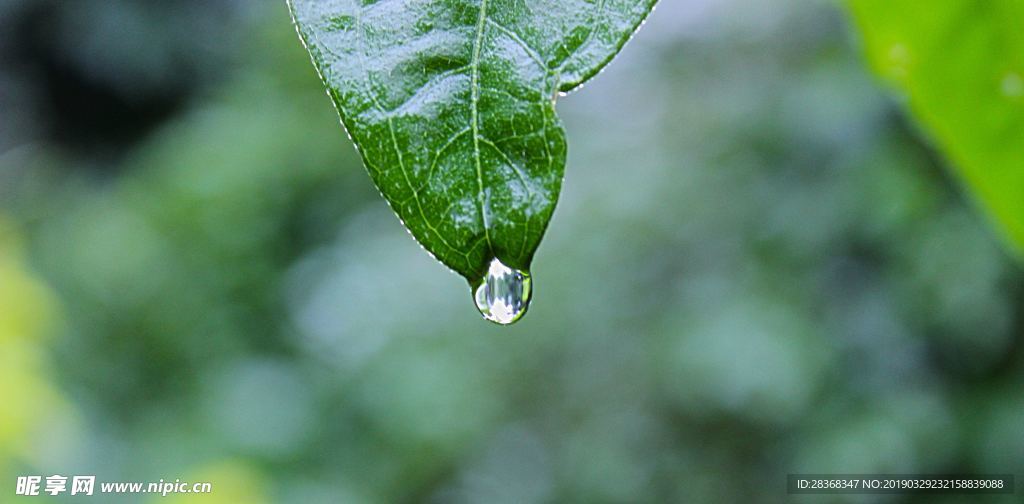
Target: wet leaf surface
452,107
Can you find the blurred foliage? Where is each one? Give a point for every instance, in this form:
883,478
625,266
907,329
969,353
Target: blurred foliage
235,482
27,318
961,66
756,268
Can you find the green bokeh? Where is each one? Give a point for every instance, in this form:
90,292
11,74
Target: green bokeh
756,268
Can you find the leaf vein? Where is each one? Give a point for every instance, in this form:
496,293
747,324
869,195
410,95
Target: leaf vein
394,140
475,116
522,43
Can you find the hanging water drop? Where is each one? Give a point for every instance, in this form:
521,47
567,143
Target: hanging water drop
503,294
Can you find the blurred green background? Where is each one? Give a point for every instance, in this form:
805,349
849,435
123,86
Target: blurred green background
758,266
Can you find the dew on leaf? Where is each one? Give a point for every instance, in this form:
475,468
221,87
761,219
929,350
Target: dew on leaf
503,294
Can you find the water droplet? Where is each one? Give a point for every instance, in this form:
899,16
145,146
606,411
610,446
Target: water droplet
503,294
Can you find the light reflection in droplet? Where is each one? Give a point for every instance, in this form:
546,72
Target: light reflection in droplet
503,294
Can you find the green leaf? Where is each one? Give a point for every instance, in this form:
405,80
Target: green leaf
451,104
960,64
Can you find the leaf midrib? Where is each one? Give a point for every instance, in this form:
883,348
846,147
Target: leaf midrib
474,89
